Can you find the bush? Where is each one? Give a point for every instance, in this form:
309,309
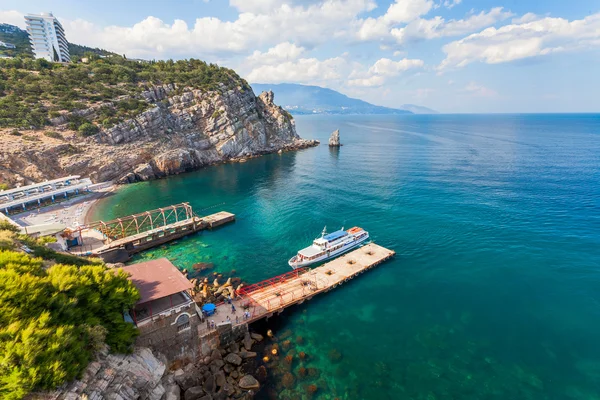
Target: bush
3,186
6,240
53,135
52,320
16,133
7,226
88,129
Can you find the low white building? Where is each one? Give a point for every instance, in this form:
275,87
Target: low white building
47,37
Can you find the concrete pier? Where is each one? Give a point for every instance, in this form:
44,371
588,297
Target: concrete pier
272,296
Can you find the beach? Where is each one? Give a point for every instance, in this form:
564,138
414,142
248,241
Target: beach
72,213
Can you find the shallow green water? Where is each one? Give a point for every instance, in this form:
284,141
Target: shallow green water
496,223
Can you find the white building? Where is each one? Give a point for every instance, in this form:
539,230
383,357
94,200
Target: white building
47,37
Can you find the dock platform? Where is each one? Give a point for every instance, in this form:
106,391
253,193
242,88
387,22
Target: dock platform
117,240
266,298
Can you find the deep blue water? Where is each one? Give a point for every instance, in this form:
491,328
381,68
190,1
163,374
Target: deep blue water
494,292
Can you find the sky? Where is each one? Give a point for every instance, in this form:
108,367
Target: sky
455,56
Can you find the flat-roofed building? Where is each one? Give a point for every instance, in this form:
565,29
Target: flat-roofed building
166,315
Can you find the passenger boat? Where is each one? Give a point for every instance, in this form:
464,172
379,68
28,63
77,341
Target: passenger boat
329,246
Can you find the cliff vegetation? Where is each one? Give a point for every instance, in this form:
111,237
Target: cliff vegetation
56,311
32,92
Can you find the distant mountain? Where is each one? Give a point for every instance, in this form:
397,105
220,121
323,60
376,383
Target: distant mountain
20,38
304,99
418,109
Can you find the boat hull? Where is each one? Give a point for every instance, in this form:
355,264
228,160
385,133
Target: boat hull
349,246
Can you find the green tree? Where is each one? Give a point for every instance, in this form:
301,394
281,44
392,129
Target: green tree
53,319
87,129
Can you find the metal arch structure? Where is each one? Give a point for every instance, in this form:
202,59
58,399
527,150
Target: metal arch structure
120,228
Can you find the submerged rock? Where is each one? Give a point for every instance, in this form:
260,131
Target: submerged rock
248,382
334,139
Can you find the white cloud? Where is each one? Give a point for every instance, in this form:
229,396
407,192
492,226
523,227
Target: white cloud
451,3
402,11
526,18
383,69
519,41
437,27
13,18
304,70
255,6
268,23
475,89
285,51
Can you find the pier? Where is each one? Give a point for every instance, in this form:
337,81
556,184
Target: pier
272,296
117,240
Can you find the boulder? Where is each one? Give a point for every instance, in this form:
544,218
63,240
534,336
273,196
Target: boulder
247,382
228,389
234,348
334,139
188,379
194,393
215,355
257,337
247,341
220,379
144,172
234,359
173,392
247,354
210,385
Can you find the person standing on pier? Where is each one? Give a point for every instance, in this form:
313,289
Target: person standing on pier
232,309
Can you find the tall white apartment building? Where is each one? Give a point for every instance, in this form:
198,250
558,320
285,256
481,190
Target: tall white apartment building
47,37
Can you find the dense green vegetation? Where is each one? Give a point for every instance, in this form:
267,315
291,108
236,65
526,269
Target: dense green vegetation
54,315
14,35
34,91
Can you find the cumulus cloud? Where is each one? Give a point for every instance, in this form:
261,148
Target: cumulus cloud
260,23
519,41
303,70
438,27
12,18
402,11
383,69
285,51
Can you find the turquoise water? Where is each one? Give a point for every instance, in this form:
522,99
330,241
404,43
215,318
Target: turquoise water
494,293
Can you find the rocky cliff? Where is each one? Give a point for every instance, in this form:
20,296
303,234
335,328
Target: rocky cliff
182,129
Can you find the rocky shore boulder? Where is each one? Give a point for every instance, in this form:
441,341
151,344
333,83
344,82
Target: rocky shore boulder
248,382
334,139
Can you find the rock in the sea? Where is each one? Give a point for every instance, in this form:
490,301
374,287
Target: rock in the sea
188,379
256,336
334,139
247,341
234,359
247,354
248,382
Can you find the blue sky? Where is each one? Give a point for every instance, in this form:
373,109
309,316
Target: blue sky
450,55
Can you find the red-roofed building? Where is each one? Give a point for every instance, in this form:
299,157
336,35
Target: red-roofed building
166,315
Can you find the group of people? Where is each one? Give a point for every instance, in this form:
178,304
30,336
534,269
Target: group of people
210,324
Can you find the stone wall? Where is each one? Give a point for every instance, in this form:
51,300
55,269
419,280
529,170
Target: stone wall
222,337
164,335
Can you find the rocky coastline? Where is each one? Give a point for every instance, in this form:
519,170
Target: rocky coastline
183,129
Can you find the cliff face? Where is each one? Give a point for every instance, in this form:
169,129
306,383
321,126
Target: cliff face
183,129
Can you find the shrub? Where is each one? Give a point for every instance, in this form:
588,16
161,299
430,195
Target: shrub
52,320
7,226
6,240
88,129
53,135
3,186
16,133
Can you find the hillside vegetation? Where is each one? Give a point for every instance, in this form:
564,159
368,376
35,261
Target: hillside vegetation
32,92
56,310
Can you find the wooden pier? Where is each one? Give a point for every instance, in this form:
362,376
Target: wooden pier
272,296
119,239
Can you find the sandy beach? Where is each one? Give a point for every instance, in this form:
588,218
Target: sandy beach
72,213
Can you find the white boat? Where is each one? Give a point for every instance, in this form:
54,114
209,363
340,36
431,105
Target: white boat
329,246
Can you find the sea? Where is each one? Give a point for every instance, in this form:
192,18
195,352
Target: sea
494,292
